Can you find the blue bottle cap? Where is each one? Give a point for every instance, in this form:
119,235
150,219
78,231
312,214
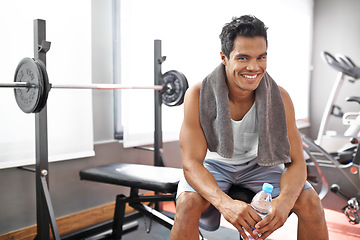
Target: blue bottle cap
267,187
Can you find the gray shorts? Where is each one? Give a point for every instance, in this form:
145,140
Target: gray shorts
249,175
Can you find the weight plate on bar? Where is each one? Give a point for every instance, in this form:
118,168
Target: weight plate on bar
29,99
175,87
46,85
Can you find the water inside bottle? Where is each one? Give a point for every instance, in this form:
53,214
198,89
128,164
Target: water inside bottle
260,211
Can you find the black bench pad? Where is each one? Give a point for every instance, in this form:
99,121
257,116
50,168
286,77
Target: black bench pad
159,179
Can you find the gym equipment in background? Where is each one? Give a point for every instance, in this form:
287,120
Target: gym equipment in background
347,70
31,86
337,171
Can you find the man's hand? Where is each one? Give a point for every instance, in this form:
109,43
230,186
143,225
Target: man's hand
275,219
240,215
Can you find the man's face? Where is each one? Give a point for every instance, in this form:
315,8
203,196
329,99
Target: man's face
246,65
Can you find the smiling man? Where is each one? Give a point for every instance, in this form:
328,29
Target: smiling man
239,129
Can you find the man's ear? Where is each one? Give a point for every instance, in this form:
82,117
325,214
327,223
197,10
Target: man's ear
223,58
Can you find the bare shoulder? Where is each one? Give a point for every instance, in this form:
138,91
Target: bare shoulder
288,104
286,98
285,95
191,103
193,91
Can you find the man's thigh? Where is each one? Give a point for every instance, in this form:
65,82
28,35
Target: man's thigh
223,174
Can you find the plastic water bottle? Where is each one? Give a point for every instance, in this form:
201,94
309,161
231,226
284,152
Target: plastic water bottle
261,203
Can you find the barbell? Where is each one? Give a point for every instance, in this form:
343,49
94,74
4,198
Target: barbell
31,86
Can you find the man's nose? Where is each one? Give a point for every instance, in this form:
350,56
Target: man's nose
253,65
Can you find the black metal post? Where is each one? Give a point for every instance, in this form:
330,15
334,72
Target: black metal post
158,144
41,142
44,210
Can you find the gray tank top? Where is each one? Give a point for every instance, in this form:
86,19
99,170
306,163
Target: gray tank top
246,140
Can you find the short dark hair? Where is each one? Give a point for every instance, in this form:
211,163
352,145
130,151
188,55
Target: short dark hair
246,26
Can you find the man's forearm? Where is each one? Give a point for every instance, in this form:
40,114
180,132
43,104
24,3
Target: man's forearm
205,184
292,182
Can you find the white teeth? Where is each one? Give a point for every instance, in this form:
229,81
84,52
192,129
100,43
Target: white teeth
251,77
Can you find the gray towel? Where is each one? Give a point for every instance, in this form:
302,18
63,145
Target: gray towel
215,119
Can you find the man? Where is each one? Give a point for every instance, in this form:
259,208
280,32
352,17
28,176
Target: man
239,128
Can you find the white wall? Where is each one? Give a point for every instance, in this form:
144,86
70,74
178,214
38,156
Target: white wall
336,30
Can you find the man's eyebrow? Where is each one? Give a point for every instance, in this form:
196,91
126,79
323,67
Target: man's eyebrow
239,55
263,54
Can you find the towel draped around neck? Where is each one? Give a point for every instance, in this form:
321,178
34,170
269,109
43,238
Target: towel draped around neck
215,119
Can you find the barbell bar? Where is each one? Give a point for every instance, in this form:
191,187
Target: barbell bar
110,86
31,86
17,85
100,86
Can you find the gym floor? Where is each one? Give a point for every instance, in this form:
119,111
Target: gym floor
338,225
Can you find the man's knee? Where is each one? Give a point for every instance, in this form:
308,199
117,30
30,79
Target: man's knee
189,207
308,203
191,203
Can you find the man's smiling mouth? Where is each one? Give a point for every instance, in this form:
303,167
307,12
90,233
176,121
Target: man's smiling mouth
249,76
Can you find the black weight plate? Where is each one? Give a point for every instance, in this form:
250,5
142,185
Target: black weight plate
176,86
46,85
28,98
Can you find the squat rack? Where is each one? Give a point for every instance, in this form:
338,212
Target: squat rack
45,216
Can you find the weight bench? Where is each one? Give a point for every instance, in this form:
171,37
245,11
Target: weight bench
162,180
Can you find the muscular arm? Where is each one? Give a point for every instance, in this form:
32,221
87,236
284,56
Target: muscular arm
292,180
193,150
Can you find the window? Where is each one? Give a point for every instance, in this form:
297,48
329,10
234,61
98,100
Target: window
70,131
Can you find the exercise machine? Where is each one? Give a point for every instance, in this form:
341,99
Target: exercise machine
330,142
337,172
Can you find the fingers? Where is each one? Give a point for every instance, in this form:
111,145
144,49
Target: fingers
243,234
249,229
242,225
245,224
242,217
246,232
267,226
266,233
264,222
250,221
